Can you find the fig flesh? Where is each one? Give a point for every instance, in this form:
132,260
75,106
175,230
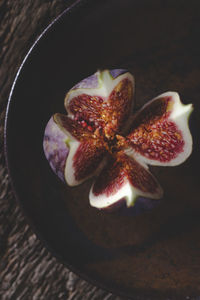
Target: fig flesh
101,137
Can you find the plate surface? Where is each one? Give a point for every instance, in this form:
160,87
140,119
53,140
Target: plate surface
156,254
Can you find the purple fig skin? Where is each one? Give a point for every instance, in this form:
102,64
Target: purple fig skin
90,82
116,72
142,205
55,148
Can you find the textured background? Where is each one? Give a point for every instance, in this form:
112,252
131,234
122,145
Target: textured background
27,269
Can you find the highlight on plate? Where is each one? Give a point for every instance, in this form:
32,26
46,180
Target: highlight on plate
101,137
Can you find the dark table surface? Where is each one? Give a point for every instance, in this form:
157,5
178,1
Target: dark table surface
27,269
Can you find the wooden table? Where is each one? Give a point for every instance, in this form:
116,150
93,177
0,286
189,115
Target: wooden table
27,269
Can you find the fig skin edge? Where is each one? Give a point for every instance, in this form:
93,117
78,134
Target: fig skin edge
61,142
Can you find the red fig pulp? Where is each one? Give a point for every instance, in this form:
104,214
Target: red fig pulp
103,139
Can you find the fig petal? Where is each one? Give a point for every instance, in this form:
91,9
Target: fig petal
123,179
85,153
100,84
160,134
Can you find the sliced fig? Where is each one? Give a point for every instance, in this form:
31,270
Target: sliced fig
123,179
100,137
159,133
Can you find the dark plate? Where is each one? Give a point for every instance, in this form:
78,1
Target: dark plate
156,254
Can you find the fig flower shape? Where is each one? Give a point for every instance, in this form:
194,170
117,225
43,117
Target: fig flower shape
100,137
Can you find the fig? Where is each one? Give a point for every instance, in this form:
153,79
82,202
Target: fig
101,137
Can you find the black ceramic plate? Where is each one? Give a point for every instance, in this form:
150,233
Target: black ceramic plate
156,254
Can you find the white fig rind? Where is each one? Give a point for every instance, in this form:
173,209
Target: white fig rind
180,115
69,168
